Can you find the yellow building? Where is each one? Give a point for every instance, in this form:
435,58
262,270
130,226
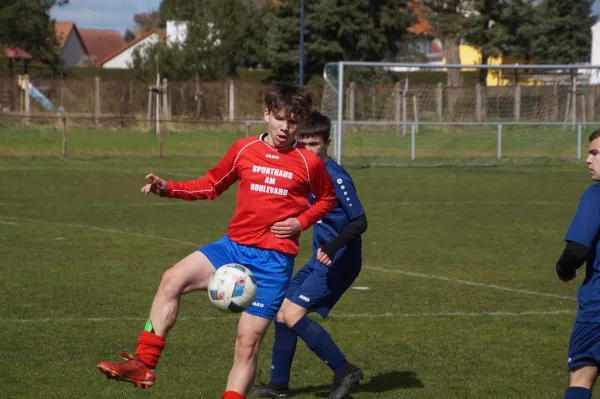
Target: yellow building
470,55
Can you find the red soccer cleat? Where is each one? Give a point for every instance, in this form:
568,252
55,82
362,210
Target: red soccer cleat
131,370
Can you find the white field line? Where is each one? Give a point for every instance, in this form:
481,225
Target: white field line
471,283
483,202
380,269
334,316
9,223
99,229
141,172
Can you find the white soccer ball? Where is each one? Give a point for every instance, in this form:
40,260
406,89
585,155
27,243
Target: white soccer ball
232,288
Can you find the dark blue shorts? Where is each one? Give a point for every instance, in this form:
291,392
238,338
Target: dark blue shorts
584,347
317,287
271,269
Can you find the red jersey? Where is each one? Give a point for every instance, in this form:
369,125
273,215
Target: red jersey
274,184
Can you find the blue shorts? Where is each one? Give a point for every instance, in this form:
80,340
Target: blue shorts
271,269
584,347
317,287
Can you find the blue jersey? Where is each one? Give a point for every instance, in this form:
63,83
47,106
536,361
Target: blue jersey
585,229
348,208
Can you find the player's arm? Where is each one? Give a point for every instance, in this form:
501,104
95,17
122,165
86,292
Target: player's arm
580,236
349,202
325,198
210,186
574,255
354,230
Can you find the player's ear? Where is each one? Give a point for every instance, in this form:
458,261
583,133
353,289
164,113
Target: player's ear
266,114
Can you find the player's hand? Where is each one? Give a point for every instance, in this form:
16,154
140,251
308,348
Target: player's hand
155,185
288,228
323,258
568,277
565,276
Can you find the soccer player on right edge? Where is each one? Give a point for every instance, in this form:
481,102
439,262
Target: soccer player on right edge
583,245
317,287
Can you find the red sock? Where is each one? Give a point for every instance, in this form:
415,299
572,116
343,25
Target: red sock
149,348
232,395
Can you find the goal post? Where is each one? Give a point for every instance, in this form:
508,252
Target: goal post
404,114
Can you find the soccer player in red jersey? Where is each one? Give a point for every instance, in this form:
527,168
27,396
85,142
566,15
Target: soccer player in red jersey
276,175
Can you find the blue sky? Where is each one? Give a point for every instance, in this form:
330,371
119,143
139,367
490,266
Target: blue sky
103,14
118,14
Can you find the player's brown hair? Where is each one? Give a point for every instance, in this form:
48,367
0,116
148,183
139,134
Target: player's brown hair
595,134
315,125
290,99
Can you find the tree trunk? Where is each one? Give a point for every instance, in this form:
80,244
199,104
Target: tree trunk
483,73
453,77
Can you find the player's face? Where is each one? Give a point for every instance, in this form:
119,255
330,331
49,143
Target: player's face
316,145
593,159
281,131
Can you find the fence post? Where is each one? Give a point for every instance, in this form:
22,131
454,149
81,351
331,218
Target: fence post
352,101
404,110
398,102
518,102
478,101
578,142
591,101
26,98
499,141
149,117
165,103
231,95
97,100
574,97
247,129
64,136
556,101
412,142
416,111
439,101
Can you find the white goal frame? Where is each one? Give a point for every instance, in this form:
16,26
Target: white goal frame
338,123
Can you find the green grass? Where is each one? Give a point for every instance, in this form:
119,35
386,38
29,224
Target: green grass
456,260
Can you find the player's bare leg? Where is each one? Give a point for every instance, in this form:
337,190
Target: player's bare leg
190,274
583,377
581,382
251,331
290,313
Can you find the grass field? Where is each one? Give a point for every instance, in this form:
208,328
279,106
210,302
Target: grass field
463,300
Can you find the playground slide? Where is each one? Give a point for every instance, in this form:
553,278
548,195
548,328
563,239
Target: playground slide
38,96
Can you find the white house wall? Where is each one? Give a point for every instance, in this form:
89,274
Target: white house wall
72,53
595,74
124,60
176,32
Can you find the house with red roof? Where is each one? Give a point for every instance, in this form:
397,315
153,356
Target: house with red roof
122,58
86,47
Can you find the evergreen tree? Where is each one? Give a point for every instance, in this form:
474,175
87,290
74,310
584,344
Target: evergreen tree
34,31
564,35
335,30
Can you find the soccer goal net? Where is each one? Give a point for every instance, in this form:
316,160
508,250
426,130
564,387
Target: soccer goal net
394,114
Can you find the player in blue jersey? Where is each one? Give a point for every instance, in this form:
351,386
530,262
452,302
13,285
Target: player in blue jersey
583,245
335,264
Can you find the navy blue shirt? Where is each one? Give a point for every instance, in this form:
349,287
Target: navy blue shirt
585,229
348,208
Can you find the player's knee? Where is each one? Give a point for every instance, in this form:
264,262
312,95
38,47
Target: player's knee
247,346
170,284
583,377
289,318
279,317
